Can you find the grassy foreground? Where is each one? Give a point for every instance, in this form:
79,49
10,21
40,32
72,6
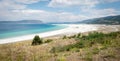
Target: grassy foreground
92,47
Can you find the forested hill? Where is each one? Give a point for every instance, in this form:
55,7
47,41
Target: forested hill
103,20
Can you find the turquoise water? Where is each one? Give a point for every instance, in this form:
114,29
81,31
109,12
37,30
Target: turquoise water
13,30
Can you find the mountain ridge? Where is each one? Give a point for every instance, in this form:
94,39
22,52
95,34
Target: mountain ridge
23,22
114,20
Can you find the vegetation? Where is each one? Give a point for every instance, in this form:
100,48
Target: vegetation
95,46
37,40
114,20
90,40
95,43
48,40
64,37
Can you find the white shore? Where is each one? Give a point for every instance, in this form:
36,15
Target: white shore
71,29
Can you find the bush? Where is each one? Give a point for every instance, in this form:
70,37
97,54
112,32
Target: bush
37,40
106,40
75,49
64,37
67,47
61,58
48,40
53,50
79,44
95,51
57,49
78,35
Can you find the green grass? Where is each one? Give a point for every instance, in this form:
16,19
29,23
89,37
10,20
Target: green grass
95,42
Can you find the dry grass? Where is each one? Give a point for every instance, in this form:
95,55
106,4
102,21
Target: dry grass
23,51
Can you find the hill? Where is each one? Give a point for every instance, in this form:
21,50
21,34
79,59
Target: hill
92,47
114,20
23,22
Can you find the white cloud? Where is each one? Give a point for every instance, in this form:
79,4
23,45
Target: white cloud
41,15
17,10
16,4
94,13
9,4
47,16
28,11
104,12
65,3
69,17
68,3
27,1
108,1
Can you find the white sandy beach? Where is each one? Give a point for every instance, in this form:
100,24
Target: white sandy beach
71,29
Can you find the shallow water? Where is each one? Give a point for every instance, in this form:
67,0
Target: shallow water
13,30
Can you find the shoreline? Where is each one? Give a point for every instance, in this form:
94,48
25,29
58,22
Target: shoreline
71,29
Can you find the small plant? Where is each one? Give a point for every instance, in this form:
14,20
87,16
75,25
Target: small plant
61,59
110,53
88,57
48,40
78,35
57,49
80,44
95,51
75,50
37,40
64,37
53,50
73,36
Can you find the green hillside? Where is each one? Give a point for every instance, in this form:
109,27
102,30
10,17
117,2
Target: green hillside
103,20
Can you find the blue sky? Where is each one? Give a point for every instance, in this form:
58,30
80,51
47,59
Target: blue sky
57,10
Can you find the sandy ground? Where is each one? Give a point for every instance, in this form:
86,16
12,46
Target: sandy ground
71,29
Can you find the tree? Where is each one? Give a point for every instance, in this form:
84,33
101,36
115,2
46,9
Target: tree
37,40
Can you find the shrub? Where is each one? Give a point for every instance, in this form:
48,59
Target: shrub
37,40
95,51
75,49
88,57
61,58
79,44
67,47
64,37
78,35
48,40
74,36
53,50
106,40
57,49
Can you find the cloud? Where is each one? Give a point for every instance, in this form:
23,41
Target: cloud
18,10
67,3
94,13
108,1
47,16
9,4
41,15
16,4
68,17
27,1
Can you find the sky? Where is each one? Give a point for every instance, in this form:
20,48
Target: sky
57,10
